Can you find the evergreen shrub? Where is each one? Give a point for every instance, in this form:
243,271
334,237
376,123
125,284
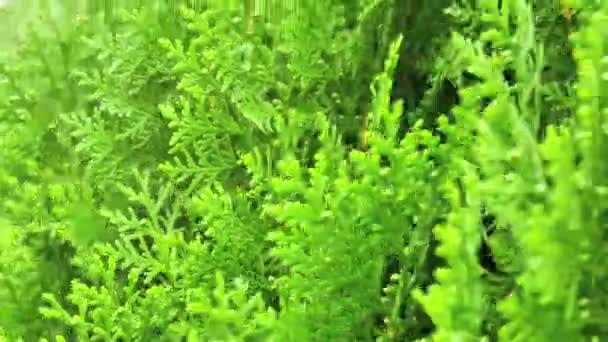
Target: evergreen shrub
337,170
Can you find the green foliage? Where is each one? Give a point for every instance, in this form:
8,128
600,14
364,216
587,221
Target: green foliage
389,170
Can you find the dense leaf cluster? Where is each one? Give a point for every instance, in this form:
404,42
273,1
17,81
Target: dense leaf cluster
390,170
